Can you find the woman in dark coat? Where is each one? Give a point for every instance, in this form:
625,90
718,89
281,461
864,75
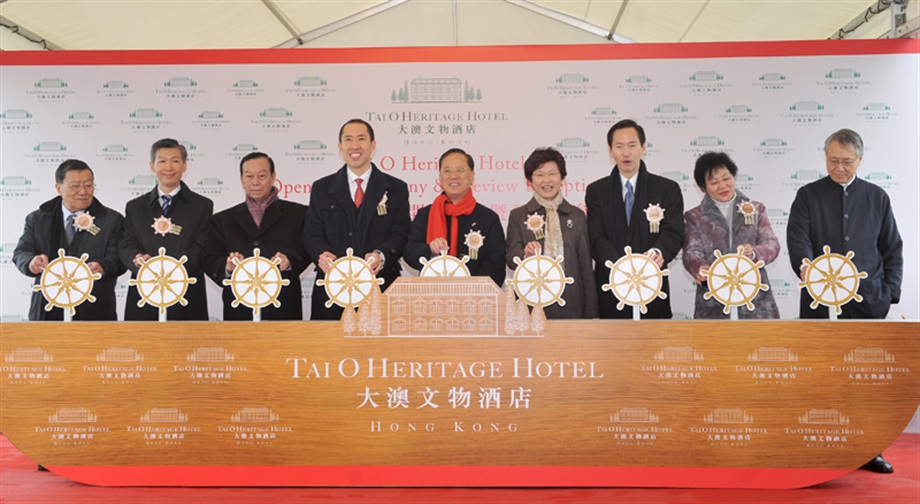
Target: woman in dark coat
725,220
563,232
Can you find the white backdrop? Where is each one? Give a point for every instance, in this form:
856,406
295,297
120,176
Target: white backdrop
767,105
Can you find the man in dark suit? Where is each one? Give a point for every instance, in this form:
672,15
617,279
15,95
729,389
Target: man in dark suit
848,214
262,221
360,207
78,223
169,216
619,210
455,221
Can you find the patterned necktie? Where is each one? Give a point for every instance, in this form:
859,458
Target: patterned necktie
359,193
69,230
167,199
630,199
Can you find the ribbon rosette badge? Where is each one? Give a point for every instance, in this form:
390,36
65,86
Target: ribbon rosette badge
535,224
86,222
654,214
749,211
474,240
163,226
382,206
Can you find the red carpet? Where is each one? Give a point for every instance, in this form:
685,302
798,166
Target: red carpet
20,482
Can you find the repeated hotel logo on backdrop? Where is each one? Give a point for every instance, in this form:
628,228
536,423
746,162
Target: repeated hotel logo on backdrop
770,113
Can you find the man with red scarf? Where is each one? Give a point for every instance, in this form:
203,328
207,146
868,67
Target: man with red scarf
457,224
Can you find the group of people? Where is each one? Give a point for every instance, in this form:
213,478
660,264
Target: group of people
362,208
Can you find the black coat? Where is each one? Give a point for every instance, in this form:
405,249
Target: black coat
189,210
281,230
333,224
858,219
44,234
491,256
609,234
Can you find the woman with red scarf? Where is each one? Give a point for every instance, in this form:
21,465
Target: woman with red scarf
457,224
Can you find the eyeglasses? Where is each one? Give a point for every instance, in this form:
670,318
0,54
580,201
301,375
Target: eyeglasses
846,163
460,170
75,188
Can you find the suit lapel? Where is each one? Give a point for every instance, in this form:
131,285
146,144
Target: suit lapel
342,193
377,186
244,219
272,215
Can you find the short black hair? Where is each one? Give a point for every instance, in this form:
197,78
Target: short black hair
370,129
258,155
70,165
626,123
540,156
710,162
469,159
167,143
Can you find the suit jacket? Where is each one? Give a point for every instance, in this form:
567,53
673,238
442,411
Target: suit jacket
490,257
859,219
707,231
581,296
189,210
281,230
333,224
44,234
609,234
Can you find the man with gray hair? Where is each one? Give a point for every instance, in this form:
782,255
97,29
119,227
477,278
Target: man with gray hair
171,216
848,214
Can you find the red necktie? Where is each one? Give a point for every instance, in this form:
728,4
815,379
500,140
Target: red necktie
359,193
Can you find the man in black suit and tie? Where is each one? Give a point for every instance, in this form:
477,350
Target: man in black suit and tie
169,216
262,221
360,207
623,209
78,223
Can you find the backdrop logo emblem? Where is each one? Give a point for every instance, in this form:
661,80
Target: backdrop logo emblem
705,83
210,120
772,82
773,148
310,87
843,81
671,115
50,89
807,113
245,88
572,86
436,90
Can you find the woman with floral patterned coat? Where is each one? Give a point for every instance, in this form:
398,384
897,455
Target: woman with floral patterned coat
725,220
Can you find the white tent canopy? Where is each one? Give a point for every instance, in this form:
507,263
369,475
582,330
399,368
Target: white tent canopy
142,24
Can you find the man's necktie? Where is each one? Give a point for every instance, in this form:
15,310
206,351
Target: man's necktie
69,230
630,199
167,199
359,193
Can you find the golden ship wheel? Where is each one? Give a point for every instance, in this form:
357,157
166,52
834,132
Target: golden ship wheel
162,281
635,280
832,280
444,265
540,280
734,280
349,281
67,282
256,282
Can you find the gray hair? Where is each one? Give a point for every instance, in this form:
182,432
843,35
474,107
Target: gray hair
846,137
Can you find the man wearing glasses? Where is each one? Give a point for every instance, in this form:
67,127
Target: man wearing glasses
848,214
78,223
